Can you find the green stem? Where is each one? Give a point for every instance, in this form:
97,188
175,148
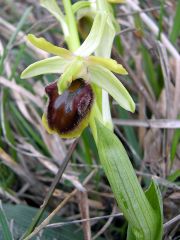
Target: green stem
72,40
102,5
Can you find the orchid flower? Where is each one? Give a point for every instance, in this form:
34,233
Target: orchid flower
92,72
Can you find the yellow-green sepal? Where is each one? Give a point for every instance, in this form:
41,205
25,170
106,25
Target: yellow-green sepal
50,65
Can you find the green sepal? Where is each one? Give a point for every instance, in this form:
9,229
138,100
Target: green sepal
49,65
107,80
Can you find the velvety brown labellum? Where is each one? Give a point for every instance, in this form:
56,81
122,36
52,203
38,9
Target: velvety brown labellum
65,112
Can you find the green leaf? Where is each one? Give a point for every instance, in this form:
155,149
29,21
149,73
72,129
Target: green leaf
49,65
141,214
23,216
4,225
174,144
106,80
43,44
154,197
176,26
173,176
94,38
54,9
150,71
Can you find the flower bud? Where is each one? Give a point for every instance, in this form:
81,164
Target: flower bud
68,113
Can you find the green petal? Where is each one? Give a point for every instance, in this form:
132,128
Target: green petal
108,63
49,65
71,73
94,38
49,47
106,80
54,9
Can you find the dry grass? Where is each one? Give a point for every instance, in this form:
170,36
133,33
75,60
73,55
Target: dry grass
30,157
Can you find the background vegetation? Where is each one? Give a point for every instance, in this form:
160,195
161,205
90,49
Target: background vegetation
30,157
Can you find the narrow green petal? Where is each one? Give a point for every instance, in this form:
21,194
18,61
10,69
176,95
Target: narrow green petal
69,75
106,80
53,8
49,47
94,38
49,65
108,63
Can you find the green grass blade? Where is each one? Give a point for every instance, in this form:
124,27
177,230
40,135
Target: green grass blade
13,37
4,225
176,25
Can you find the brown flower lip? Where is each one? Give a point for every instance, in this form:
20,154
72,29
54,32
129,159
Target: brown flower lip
66,112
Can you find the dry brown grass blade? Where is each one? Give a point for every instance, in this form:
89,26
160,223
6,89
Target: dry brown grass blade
149,123
106,225
20,171
177,88
84,210
153,27
8,29
14,87
139,86
5,194
48,219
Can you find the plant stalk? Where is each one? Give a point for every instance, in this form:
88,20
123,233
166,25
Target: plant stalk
72,40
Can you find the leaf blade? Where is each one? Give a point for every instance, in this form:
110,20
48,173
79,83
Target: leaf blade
125,186
4,223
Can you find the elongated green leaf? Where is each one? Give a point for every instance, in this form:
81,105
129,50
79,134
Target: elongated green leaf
173,176
4,225
54,9
174,144
176,26
94,38
140,213
154,197
106,80
43,44
23,215
49,65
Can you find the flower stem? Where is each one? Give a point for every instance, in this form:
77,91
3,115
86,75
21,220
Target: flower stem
73,41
